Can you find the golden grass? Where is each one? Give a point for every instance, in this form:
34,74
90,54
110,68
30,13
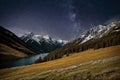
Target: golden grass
10,51
75,59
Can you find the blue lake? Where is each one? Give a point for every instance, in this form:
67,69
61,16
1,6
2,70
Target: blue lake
28,60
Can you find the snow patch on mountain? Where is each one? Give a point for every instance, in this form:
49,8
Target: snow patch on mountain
46,37
95,33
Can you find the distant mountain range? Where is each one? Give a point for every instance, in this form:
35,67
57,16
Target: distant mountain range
42,43
94,38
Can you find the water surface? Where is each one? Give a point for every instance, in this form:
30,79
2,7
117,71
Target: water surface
28,60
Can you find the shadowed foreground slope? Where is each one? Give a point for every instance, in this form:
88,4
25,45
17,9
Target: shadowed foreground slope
11,48
101,64
11,41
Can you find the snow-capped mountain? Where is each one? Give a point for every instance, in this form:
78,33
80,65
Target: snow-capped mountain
95,33
40,38
43,43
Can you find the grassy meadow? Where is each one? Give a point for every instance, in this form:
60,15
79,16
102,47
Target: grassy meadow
101,64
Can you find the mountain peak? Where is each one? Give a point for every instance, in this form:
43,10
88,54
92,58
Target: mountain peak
96,32
29,34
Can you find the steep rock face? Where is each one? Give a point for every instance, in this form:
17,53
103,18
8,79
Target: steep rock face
11,48
94,38
42,43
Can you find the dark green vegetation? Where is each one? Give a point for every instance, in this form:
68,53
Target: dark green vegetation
109,39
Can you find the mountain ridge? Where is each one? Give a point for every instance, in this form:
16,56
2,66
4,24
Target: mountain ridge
108,36
95,32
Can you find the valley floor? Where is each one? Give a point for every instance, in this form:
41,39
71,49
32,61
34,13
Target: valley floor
101,64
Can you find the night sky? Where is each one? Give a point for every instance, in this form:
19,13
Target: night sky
61,19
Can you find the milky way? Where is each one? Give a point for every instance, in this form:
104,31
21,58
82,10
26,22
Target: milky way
63,19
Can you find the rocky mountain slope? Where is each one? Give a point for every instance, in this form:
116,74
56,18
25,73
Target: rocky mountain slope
95,33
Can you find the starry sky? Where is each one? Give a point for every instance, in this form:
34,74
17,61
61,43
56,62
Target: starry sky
61,19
